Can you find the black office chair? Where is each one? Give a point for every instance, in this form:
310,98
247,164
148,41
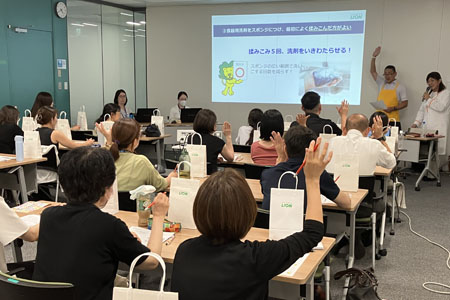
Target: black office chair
262,218
23,289
125,203
242,148
254,171
171,163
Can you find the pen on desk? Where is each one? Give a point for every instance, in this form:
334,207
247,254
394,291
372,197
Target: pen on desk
337,178
169,241
304,162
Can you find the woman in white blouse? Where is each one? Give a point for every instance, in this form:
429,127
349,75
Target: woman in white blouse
434,112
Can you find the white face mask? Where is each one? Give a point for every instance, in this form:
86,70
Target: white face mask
182,103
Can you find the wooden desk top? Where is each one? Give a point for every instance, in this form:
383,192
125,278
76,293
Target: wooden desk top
256,234
355,197
14,163
380,171
254,184
151,139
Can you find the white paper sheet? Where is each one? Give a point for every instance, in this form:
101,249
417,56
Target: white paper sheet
6,158
30,206
295,266
31,220
144,234
378,105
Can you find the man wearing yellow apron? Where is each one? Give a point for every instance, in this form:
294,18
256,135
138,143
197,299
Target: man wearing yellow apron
391,92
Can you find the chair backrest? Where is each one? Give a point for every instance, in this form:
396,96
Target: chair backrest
23,289
47,149
242,148
262,218
367,183
125,203
254,171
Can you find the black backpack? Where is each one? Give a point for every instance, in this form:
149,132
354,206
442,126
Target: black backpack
152,131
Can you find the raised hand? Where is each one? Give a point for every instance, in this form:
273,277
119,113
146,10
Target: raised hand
377,51
377,127
343,109
161,206
226,129
301,119
315,160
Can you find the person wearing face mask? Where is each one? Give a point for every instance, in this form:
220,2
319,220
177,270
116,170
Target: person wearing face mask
175,111
434,111
391,92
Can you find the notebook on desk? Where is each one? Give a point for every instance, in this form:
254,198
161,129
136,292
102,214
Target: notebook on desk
144,115
188,114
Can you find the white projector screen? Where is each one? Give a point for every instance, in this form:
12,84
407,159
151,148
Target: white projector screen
276,58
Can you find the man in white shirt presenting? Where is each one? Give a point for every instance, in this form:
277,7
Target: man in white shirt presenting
11,228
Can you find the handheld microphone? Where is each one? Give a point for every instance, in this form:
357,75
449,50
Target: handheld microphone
429,91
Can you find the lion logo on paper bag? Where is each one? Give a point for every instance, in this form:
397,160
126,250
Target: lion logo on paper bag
232,73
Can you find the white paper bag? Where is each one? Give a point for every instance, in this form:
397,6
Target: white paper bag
197,154
108,126
120,293
257,132
112,206
32,144
28,123
286,210
326,138
158,120
346,171
287,123
63,125
394,129
392,143
182,196
82,119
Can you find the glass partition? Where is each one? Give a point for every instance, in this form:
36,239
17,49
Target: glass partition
107,52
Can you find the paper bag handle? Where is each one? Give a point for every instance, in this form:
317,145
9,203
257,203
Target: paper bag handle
286,117
180,163
25,113
104,117
61,113
395,121
325,126
82,108
258,125
192,138
293,174
161,262
156,110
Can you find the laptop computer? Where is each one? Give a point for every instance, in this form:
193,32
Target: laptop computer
144,115
188,114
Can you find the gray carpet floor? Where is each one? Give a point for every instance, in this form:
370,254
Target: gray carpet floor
410,261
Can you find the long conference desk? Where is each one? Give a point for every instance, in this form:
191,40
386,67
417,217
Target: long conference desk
285,287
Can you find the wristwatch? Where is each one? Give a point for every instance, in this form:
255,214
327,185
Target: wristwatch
382,139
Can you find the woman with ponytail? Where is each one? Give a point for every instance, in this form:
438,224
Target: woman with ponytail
133,170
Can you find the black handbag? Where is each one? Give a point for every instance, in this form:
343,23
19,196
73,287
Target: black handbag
152,131
363,284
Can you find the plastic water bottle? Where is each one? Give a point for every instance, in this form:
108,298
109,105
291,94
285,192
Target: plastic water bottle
185,170
424,128
18,139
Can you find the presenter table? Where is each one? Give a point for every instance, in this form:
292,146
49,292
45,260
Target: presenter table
412,144
25,169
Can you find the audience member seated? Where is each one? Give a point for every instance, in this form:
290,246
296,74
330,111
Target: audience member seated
312,108
121,99
263,152
9,117
80,244
11,228
218,264
111,109
47,117
205,125
372,151
246,132
133,170
45,99
292,154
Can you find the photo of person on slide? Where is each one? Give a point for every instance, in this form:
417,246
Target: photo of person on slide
226,74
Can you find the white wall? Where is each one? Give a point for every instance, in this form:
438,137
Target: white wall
414,34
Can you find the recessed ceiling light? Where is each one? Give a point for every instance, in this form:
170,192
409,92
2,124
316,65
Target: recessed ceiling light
76,24
141,30
90,24
125,14
133,23
142,22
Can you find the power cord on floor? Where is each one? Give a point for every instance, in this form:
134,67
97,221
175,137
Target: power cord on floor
426,284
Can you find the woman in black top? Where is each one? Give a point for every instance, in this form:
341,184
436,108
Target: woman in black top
47,117
217,265
80,244
9,116
205,124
